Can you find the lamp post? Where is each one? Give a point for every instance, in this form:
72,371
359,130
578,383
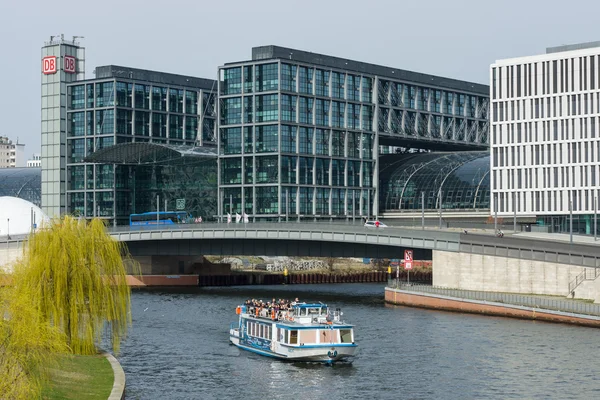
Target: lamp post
422,210
571,221
8,229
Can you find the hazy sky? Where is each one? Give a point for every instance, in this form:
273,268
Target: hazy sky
457,39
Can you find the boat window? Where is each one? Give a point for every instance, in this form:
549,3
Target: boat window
293,337
261,331
346,335
313,311
324,311
308,336
286,336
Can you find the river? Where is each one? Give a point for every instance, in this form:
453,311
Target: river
178,348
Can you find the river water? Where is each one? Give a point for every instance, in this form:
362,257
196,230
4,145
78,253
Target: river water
178,348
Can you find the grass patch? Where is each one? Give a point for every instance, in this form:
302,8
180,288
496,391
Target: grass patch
79,377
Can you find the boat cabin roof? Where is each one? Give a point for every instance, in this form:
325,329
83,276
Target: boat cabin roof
308,305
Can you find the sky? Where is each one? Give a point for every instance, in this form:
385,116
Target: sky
456,39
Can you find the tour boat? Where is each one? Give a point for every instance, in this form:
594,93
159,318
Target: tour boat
299,332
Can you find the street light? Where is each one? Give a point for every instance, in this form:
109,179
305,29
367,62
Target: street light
8,228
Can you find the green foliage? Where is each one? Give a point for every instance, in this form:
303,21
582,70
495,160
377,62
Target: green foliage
27,345
74,274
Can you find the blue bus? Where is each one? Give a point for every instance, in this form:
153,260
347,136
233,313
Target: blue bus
164,218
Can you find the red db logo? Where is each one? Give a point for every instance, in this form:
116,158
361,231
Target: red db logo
69,64
49,65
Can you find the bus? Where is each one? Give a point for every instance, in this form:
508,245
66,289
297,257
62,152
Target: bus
164,218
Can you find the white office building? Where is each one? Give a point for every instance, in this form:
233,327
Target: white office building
35,161
12,155
545,139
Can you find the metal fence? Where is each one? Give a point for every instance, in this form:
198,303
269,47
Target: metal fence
545,303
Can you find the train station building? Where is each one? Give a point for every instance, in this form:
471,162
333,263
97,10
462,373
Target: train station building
287,134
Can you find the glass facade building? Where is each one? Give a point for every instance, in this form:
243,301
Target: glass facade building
300,133
125,105
454,181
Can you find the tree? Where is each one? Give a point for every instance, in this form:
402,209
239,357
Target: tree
28,346
75,277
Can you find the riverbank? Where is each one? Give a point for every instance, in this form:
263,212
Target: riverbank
79,378
530,307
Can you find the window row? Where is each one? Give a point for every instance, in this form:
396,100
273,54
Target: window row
296,170
295,78
546,77
139,96
546,154
546,177
575,129
401,95
546,107
294,200
551,201
296,139
128,122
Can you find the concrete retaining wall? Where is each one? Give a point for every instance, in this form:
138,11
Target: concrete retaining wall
502,274
437,302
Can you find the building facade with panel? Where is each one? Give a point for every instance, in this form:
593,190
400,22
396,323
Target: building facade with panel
63,61
121,106
12,155
300,133
545,139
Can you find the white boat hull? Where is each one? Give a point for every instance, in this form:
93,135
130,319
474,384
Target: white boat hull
321,353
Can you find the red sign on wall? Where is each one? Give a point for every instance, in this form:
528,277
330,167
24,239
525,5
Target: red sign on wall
408,259
49,65
69,63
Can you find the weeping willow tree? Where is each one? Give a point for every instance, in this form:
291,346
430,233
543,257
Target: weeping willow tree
28,346
74,274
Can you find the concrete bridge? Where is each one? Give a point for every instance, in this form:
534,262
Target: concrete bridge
514,263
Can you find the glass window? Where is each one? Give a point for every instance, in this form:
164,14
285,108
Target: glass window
266,138
267,200
322,171
305,110
191,127
267,108
288,169
159,98
77,124
175,126
248,110
231,140
159,125
231,112
248,140
322,112
90,95
305,200
305,79
142,123
322,83
353,87
249,175
124,94
142,96
124,122
321,142
305,140
248,78
337,85
77,97
367,90
76,150
306,170
266,170
191,102
105,96
267,77
288,77
231,171
322,202
288,108
175,100
288,139
105,123
232,80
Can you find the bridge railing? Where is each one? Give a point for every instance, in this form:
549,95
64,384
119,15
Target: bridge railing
541,302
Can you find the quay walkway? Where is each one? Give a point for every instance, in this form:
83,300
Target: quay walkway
535,307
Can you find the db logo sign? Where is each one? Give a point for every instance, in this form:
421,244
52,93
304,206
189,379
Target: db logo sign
69,64
49,65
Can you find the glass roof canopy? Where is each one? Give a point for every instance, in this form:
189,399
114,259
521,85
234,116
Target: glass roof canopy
25,183
462,178
141,153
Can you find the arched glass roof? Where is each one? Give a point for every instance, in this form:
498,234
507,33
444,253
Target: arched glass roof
24,183
463,178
